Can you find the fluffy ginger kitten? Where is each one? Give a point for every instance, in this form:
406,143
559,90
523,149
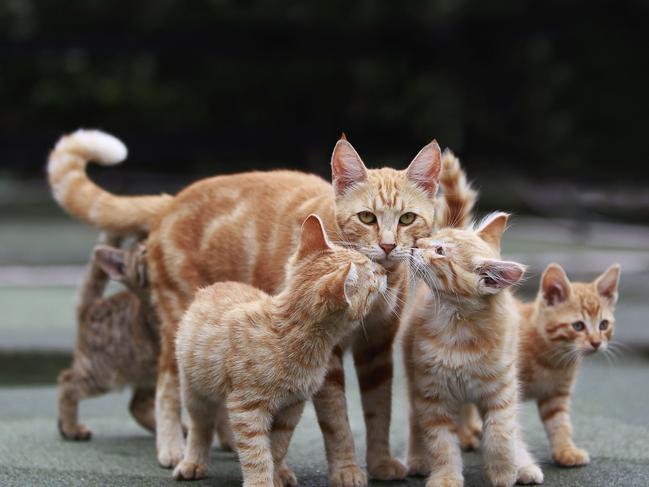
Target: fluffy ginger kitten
565,322
460,344
262,356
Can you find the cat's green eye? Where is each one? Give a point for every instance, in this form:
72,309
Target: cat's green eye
579,325
407,218
367,217
603,325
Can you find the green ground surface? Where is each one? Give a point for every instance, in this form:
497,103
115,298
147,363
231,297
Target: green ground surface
610,419
41,260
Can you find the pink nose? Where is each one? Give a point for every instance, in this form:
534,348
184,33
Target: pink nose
387,248
595,344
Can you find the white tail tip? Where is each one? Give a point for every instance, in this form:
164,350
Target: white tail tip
95,145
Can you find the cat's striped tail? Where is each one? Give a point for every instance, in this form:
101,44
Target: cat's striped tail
455,208
79,196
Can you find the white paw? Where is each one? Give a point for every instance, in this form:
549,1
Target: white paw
190,471
529,474
440,480
170,456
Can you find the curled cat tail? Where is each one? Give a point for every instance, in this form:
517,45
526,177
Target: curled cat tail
458,198
79,196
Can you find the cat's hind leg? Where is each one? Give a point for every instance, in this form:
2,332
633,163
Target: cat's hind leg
223,429
202,421
73,387
142,407
469,427
280,436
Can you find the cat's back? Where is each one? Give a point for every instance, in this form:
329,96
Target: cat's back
240,227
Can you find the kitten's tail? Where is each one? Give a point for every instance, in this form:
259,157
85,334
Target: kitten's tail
95,281
459,198
79,196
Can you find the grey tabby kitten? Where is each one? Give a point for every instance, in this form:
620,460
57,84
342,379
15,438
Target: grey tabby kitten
117,339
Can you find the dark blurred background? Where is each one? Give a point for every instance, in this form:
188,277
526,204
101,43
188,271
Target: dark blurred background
546,102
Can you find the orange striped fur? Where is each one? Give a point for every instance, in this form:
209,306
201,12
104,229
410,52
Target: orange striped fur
459,345
83,199
551,349
261,357
243,228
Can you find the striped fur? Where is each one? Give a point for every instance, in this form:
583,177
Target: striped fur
551,349
455,208
244,227
459,344
117,339
83,199
261,357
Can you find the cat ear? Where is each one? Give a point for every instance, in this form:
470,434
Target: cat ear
608,282
347,168
555,286
492,228
424,169
496,275
313,237
112,261
350,282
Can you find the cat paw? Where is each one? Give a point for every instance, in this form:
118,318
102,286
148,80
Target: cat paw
418,467
348,476
469,439
501,477
76,432
571,457
529,475
387,468
445,481
187,470
170,456
285,476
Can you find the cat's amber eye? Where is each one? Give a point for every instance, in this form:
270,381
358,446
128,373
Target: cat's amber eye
603,325
367,217
407,218
579,325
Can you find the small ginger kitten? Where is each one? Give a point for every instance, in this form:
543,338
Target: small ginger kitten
117,338
459,344
566,321
262,356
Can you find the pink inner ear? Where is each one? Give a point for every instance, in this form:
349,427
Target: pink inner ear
554,294
347,168
499,275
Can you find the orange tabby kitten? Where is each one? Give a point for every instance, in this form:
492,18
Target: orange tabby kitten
244,227
566,322
262,356
460,345
117,340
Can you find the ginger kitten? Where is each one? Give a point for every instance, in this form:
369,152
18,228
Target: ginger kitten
244,227
262,356
117,339
566,322
459,344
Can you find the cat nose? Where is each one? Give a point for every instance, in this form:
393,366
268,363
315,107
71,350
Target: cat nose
595,344
387,248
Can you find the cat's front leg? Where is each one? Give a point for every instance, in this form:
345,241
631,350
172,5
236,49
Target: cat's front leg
499,435
555,414
280,437
251,422
438,435
373,360
331,408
